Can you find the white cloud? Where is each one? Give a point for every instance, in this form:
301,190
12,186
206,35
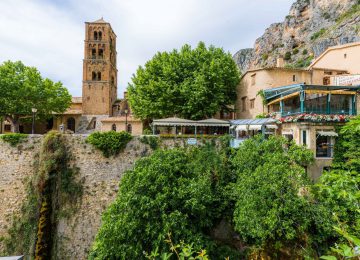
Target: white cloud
49,34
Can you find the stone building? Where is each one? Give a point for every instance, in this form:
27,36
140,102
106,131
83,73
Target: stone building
98,108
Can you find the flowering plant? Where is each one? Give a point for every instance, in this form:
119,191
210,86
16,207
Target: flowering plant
315,118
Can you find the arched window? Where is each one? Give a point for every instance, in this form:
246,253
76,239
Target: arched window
71,124
129,128
100,36
93,75
101,52
93,53
113,127
99,76
112,80
95,36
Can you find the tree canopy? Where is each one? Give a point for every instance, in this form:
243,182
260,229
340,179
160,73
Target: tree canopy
22,88
189,83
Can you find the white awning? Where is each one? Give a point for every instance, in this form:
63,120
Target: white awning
287,132
232,127
272,126
241,128
327,133
255,127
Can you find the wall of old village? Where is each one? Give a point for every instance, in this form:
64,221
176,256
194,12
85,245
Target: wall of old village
100,177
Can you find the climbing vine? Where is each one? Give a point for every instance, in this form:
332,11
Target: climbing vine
52,192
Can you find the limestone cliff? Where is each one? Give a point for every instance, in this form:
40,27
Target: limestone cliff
310,28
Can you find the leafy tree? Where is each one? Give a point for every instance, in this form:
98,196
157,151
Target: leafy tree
190,83
172,191
275,209
339,189
22,88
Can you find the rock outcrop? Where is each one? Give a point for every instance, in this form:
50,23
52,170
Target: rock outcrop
310,28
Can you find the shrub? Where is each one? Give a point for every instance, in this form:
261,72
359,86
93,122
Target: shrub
318,34
109,143
175,191
152,141
295,51
305,52
265,56
287,56
14,138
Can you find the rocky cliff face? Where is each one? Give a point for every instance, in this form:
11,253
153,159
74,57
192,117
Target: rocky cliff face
310,28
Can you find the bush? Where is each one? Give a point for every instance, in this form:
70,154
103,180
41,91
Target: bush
109,143
318,34
174,191
274,208
14,138
287,56
305,52
265,56
152,141
295,51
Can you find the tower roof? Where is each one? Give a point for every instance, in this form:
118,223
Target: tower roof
101,20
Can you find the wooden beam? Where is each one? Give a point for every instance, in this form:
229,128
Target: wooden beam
283,98
334,92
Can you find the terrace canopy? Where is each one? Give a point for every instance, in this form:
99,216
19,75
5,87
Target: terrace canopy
253,124
180,122
312,99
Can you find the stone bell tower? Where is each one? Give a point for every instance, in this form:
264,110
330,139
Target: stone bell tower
99,89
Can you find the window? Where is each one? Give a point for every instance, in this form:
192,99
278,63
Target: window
112,80
326,81
101,52
93,75
129,128
243,103
93,53
304,137
324,146
95,36
253,79
294,78
100,36
345,56
113,127
99,76
7,128
252,103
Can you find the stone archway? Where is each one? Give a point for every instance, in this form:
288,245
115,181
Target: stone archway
71,124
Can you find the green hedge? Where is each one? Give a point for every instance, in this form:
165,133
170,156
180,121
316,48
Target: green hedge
14,138
110,143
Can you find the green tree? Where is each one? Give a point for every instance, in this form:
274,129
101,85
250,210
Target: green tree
339,188
22,88
173,191
275,210
190,83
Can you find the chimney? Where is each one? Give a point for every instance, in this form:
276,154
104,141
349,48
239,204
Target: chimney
280,62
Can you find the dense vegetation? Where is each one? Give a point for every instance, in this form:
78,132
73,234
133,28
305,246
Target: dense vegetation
109,143
22,88
261,190
190,83
14,138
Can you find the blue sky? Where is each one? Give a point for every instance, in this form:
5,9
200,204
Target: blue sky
49,34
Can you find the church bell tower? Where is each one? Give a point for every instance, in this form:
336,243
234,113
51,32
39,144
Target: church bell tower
99,88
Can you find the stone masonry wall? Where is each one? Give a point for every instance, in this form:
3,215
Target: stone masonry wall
100,176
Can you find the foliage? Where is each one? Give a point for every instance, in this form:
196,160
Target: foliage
349,250
189,136
189,83
274,208
261,93
305,52
22,88
265,56
178,191
295,51
181,251
13,138
263,115
339,189
287,56
318,34
152,141
147,131
354,10
109,143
